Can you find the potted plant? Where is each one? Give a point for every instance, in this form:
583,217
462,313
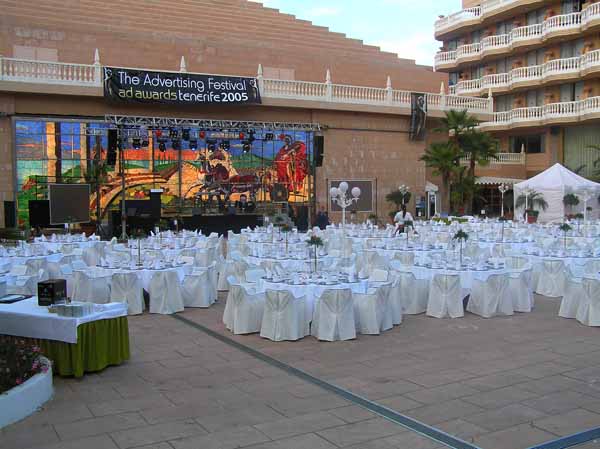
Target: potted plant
565,228
461,236
532,200
570,200
315,242
26,380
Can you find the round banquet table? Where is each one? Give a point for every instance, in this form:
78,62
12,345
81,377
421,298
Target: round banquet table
144,273
467,275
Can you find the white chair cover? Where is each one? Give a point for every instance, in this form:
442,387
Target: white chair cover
445,297
244,309
127,287
90,289
165,293
589,309
333,318
378,275
368,312
414,293
489,298
552,279
520,289
395,301
195,290
284,316
255,275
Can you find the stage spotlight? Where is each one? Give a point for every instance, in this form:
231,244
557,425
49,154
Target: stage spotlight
246,146
173,133
185,134
269,136
162,146
225,145
242,136
136,143
282,136
211,145
145,142
251,137
202,134
193,144
176,144
158,133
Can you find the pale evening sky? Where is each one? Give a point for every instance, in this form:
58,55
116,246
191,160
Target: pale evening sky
399,26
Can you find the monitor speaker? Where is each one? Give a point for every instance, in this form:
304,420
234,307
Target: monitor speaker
111,153
10,214
319,148
279,194
39,213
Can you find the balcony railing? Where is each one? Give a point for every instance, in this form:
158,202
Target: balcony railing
502,159
458,18
90,75
574,22
538,73
588,108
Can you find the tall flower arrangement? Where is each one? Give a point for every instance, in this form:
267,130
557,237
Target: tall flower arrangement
565,228
461,236
315,242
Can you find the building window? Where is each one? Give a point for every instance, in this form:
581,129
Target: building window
35,53
453,78
532,144
276,73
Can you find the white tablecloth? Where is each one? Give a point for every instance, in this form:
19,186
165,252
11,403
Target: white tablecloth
466,276
144,274
27,319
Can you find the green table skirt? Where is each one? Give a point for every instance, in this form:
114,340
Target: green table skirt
99,344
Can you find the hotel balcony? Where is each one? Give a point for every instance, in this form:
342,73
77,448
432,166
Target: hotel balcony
532,76
503,159
20,75
555,26
549,114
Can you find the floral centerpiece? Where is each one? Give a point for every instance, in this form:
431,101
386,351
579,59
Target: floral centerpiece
19,361
565,228
316,242
461,236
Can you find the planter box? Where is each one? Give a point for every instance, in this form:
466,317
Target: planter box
24,399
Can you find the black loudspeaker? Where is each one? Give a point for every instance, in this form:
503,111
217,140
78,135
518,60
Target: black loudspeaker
279,194
319,149
555,130
111,153
10,214
39,213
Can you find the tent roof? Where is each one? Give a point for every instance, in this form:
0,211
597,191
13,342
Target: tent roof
558,177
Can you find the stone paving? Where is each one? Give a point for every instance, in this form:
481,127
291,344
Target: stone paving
498,383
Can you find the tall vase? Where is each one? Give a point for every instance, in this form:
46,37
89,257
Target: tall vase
461,258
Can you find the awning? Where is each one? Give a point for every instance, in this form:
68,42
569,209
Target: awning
492,180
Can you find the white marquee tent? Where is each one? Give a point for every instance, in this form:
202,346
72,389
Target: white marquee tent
554,183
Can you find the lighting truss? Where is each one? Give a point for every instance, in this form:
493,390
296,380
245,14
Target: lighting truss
167,122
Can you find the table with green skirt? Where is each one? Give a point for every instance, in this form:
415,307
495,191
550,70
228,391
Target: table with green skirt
75,345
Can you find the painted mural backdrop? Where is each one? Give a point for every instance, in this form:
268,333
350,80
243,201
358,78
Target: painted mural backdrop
216,166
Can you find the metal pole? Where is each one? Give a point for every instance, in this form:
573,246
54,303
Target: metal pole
180,181
123,196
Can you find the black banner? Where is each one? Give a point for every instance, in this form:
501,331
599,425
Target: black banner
141,86
418,116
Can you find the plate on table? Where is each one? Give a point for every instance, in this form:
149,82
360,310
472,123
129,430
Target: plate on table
12,298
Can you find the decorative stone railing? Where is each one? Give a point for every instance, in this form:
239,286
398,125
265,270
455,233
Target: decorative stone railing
90,75
575,67
501,159
571,111
574,22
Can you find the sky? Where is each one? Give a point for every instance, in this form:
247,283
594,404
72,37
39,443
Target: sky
404,27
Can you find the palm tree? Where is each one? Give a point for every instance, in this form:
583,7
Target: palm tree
534,201
443,158
479,147
456,123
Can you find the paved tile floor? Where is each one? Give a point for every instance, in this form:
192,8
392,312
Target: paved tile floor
499,383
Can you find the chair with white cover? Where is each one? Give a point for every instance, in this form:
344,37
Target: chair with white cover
445,297
379,275
244,308
573,296
22,285
385,303
94,289
395,301
414,293
127,288
213,279
406,259
255,275
368,312
195,289
202,258
520,288
91,256
333,317
165,293
552,278
516,262
588,312
284,316
489,298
